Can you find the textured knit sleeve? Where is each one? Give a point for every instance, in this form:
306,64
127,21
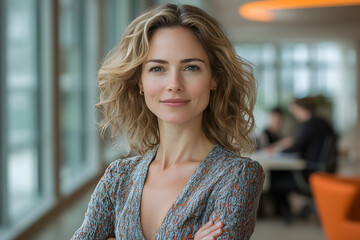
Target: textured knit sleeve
238,200
100,216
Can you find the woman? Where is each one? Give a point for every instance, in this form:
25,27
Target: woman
185,100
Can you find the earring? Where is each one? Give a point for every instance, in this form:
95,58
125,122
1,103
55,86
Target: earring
141,92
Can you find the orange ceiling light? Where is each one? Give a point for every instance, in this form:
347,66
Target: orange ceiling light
262,10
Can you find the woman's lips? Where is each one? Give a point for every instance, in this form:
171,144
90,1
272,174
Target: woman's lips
175,102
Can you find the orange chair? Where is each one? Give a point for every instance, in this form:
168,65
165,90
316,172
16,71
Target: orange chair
337,200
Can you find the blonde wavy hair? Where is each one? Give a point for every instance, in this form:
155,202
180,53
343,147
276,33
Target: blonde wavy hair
228,119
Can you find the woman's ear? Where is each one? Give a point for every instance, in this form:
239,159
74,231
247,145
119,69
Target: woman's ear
213,84
140,85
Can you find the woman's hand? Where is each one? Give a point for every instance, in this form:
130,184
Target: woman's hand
209,231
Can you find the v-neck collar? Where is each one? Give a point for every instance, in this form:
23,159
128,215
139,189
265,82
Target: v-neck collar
147,159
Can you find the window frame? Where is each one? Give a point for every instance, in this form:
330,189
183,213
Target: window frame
4,218
35,142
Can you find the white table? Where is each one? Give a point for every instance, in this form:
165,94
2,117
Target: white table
277,161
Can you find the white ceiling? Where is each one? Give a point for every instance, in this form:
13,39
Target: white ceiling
336,23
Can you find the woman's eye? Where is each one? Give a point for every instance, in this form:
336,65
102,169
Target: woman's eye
192,68
156,69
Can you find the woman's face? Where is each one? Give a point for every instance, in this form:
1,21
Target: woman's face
176,76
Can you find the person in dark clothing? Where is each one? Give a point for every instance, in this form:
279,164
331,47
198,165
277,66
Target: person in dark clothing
272,133
312,133
308,144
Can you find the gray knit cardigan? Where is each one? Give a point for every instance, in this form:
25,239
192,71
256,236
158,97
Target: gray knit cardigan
224,187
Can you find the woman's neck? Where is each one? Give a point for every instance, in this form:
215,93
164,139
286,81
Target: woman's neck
181,143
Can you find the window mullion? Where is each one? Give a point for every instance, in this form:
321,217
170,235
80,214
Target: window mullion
39,122
4,213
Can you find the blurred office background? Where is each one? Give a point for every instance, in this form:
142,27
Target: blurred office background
51,153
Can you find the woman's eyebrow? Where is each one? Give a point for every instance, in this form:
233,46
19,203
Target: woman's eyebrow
157,61
182,61
191,60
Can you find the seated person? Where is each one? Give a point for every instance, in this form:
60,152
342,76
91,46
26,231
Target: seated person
308,143
312,133
272,133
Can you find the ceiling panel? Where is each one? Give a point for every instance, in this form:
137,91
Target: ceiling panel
300,23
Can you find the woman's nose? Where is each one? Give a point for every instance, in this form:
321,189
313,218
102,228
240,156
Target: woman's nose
175,83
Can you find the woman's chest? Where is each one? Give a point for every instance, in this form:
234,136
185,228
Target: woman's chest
163,208
156,202
160,191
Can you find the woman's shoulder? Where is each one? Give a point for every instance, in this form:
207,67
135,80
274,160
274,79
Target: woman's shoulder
124,166
231,171
232,167
234,160
130,166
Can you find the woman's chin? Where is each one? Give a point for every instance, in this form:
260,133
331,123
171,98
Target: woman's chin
177,119
173,121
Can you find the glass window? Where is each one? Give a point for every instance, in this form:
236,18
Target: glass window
77,83
269,84
302,82
22,107
300,53
293,70
72,96
110,25
113,33
27,179
268,54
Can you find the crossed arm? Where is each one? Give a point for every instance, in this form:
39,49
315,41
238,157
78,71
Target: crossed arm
210,231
